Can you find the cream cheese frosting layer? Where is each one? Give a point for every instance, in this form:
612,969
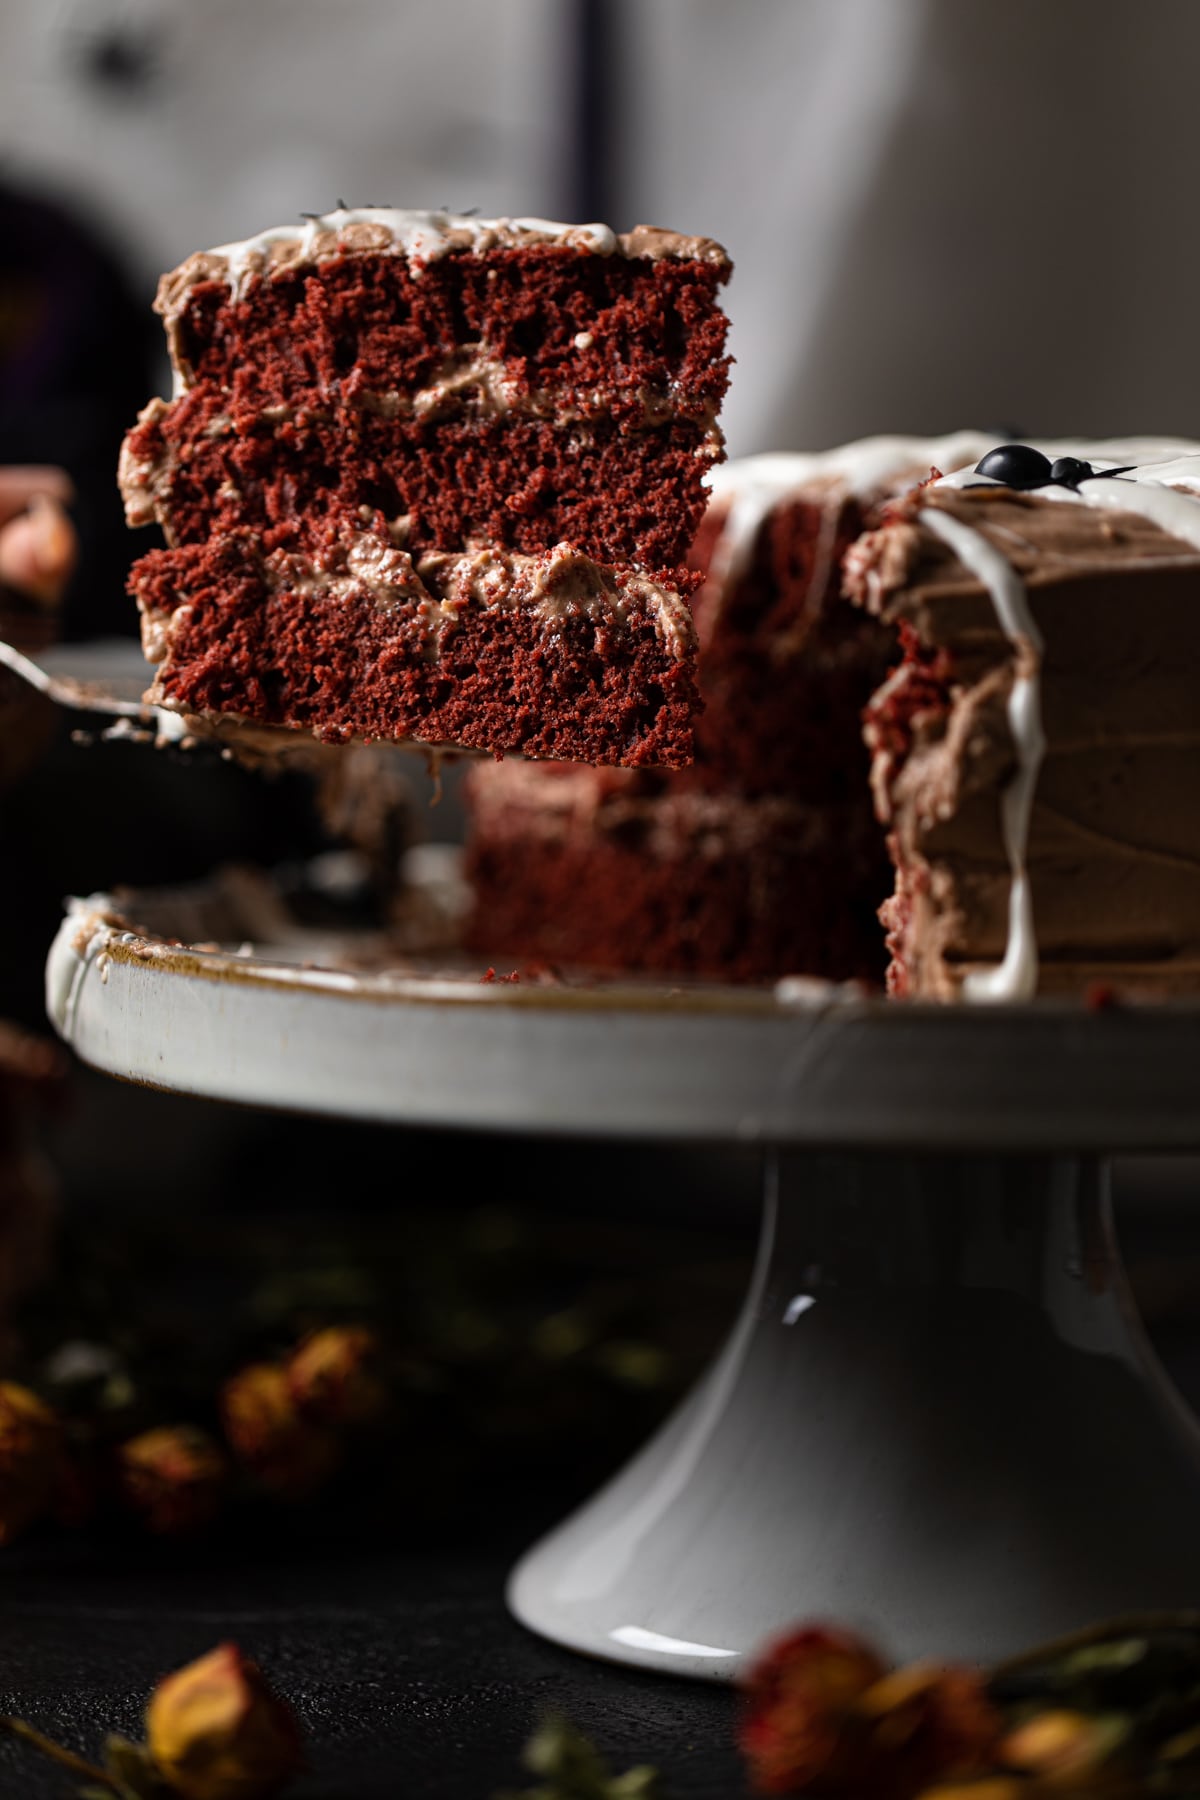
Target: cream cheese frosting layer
476,384
420,237
554,585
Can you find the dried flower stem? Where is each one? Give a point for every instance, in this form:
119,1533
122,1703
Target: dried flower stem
1125,1625
67,1759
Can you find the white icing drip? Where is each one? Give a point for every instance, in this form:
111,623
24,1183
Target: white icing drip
1015,978
755,485
420,236
1176,513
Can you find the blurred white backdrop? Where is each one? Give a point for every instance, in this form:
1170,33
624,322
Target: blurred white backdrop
941,214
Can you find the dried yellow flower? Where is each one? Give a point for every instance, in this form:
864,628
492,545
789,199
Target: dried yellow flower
215,1730
173,1478
1064,1749
286,1452
333,1376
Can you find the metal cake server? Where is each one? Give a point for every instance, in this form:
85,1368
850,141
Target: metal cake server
108,675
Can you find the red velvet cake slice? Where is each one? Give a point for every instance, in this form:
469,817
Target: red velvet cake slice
434,477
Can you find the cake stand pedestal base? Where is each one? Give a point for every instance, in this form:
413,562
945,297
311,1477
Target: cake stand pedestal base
937,1418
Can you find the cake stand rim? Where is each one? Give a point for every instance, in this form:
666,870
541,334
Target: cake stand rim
705,1064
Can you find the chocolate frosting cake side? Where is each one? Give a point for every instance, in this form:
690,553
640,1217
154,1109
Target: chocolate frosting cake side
1036,754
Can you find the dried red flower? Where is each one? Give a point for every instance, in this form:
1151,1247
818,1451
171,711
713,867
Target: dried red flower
173,1478
286,1452
800,1701
824,1716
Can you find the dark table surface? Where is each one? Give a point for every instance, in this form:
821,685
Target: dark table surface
397,1651
407,1673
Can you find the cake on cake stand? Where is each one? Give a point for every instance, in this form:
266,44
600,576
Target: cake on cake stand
937,1416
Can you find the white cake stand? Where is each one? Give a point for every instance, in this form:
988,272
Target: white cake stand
937,1416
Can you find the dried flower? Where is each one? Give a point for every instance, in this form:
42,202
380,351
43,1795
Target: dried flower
930,1722
216,1731
1066,1750
334,1376
31,1459
826,1717
286,1452
800,1701
569,1767
173,1478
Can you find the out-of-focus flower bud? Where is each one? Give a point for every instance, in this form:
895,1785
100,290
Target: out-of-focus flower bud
334,1376
826,1717
173,1478
800,1701
286,1452
929,1722
1063,1749
216,1731
31,1459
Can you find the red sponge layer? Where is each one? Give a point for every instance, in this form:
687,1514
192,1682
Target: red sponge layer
555,317
336,662
680,882
523,483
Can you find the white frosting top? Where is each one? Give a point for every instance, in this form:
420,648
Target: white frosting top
754,485
421,236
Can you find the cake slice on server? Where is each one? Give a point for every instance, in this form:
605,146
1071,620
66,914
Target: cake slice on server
431,477
1036,752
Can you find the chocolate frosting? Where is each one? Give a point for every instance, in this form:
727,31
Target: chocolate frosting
1113,842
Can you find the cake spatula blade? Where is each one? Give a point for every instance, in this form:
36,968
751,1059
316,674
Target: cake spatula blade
107,675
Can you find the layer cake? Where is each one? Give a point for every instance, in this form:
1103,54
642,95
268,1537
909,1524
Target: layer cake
433,477
1036,752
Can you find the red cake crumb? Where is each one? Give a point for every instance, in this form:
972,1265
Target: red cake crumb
917,689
